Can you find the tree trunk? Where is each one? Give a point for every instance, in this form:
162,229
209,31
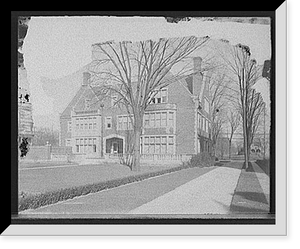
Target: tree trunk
136,166
229,149
245,133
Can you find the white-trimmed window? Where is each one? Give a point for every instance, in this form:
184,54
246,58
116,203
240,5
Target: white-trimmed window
171,119
157,119
108,122
160,97
68,142
159,145
163,122
69,126
152,120
170,144
147,120
124,122
77,145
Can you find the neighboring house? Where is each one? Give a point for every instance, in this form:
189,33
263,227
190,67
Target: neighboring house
176,122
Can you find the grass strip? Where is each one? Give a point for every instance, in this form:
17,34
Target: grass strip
33,201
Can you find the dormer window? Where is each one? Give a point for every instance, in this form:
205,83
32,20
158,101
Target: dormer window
160,97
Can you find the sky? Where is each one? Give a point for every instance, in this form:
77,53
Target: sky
55,47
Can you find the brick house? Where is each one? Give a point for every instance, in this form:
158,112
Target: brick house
176,122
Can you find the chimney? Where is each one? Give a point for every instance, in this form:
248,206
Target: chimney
86,78
197,76
197,64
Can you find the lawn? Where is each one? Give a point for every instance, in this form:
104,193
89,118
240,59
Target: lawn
41,178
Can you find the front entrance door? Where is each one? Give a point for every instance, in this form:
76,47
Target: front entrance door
115,148
114,145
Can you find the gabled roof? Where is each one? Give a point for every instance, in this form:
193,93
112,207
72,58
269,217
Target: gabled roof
67,111
93,93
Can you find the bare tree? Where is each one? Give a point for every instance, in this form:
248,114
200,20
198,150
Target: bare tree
137,71
246,73
234,120
217,89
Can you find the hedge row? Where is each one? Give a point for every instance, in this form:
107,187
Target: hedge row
32,201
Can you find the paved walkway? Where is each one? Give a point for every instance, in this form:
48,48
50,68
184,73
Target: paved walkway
207,194
252,192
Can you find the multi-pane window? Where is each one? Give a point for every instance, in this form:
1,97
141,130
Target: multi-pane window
163,148
171,119
125,122
159,97
152,144
77,145
158,119
69,126
163,122
146,145
85,145
68,142
152,119
147,120
170,144
159,145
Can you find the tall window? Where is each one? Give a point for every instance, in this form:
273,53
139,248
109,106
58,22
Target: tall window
163,119
68,142
152,144
163,148
108,122
152,120
171,119
69,126
125,122
171,145
77,145
157,145
147,120
146,145
157,119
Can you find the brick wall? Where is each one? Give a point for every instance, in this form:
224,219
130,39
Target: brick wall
185,118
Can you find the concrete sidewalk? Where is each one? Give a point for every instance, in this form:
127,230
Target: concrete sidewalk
210,193
252,192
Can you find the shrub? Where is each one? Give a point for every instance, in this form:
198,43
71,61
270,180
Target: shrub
203,159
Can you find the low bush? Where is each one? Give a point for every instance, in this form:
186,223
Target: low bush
202,160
